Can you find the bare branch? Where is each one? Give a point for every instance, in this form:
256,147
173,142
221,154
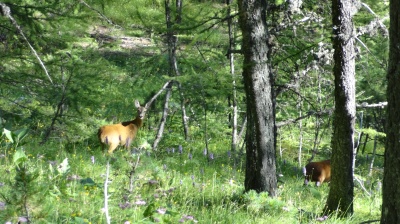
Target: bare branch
101,14
106,196
366,105
7,12
163,120
309,114
167,85
327,111
362,186
369,9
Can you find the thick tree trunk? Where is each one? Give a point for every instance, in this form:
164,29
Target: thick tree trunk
260,136
341,192
391,175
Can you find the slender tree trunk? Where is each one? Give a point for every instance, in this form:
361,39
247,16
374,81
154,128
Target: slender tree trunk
60,107
341,192
172,58
185,118
172,41
317,120
365,143
371,166
261,133
391,175
301,132
232,71
356,144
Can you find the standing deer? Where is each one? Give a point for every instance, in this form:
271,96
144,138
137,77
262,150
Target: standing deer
122,133
317,172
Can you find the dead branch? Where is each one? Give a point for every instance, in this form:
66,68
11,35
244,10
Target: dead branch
366,105
362,186
7,12
101,14
309,114
327,111
167,85
163,120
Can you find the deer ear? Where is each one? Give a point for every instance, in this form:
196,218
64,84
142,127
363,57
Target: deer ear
137,104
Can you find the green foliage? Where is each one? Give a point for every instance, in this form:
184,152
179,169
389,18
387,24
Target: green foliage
373,133
15,137
19,157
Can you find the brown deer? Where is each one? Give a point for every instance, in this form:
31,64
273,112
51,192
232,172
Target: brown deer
318,172
122,133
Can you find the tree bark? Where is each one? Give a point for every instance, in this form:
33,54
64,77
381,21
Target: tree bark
391,175
341,192
260,136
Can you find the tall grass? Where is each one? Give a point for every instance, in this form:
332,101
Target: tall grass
169,186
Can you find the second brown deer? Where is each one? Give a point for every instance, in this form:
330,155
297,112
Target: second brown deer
318,172
123,133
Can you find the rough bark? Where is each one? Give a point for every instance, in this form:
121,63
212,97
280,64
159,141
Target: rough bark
341,192
260,135
391,175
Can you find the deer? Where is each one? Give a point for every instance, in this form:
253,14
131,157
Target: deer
318,172
122,133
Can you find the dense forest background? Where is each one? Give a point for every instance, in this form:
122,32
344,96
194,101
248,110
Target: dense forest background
69,67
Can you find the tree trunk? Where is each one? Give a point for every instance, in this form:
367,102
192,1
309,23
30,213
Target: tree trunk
173,62
391,175
371,166
260,135
341,192
232,71
60,106
185,118
172,42
300,132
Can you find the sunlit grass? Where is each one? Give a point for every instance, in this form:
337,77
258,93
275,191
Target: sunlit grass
168,186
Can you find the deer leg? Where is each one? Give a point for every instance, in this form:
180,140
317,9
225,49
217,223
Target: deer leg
112,148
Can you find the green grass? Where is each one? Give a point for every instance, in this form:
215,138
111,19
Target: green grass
167,187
